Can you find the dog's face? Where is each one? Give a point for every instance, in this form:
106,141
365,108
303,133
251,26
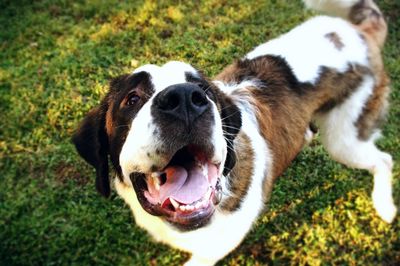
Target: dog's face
167,131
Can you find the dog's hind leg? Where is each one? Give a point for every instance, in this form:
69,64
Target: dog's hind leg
349,131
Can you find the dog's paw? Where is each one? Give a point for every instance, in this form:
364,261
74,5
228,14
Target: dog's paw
384,206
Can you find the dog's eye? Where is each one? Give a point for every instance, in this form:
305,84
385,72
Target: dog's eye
133,98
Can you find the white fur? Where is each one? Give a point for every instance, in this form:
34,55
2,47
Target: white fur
306,48
230,88
169,74
226,230
139,142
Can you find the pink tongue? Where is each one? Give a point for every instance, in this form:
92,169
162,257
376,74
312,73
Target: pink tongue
184,186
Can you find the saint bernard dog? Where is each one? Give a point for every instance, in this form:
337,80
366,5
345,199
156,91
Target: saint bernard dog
196,159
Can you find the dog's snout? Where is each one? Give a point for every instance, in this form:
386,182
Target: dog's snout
184,102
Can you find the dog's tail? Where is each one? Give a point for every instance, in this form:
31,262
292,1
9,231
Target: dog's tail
364,14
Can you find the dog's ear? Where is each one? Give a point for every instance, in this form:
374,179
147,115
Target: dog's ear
91,142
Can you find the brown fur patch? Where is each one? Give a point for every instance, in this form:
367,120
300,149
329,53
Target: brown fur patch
374,54
283,126
374,112
372,26
338,86
363,11
109,120
335,39
229,73
368,19
240,176
373,29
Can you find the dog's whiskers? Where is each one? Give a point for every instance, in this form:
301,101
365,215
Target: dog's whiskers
231,127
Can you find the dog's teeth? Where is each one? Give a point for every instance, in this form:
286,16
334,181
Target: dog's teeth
182,208
189,208
198,205
174,203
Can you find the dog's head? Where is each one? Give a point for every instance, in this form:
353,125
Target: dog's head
168,132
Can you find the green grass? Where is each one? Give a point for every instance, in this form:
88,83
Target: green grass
56,58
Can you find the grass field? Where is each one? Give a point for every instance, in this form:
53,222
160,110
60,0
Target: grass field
56,58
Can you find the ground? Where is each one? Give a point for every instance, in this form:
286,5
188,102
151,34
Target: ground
56,59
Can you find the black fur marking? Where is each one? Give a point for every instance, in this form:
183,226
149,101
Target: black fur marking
231,124
91,143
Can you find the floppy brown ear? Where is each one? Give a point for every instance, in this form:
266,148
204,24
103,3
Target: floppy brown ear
91,142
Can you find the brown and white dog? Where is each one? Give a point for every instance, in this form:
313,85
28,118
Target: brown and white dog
196,159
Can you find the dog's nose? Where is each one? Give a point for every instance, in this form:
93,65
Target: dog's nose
185,102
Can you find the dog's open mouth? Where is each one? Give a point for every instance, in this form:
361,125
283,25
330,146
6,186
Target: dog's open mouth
186,190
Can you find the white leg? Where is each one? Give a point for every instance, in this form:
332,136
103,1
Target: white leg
344,146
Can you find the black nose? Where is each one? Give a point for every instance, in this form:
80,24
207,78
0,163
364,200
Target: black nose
185,102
